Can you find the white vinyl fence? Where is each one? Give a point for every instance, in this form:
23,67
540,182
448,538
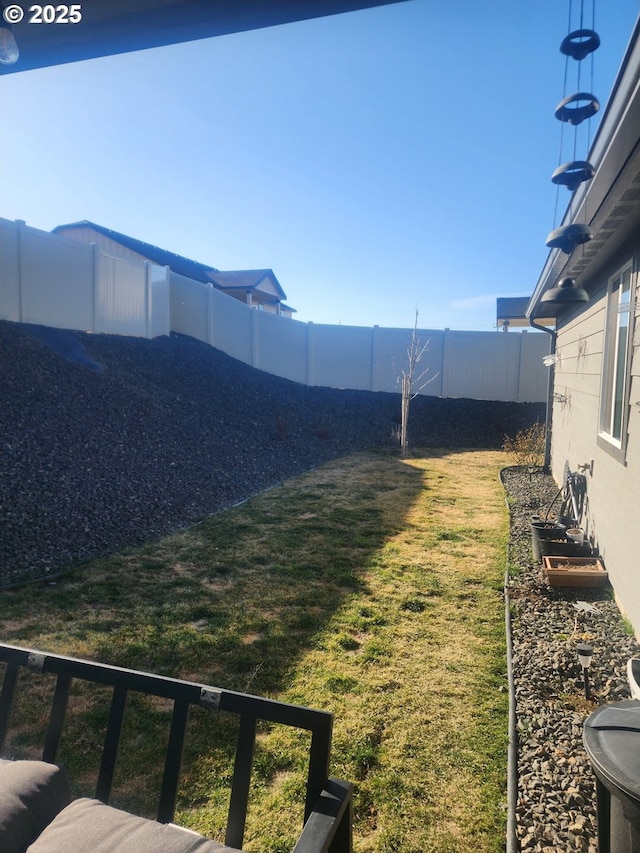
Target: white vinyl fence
480,365
57,282
53,281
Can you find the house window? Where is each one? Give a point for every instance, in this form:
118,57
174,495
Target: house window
615,375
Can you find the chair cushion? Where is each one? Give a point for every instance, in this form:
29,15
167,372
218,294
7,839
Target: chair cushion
88,826
31,795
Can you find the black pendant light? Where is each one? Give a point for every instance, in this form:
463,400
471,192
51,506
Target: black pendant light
564,294
569,237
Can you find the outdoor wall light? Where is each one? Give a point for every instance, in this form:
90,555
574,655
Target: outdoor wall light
585,653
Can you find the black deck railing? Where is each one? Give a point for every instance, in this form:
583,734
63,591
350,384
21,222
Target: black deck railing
327,813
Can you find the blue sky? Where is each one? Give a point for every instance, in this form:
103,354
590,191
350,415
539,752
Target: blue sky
380,162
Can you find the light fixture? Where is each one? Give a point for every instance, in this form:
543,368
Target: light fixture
569,237
566,293
585,653
572,174
9,52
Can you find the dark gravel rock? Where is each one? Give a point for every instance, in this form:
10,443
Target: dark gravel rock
107,441
556,788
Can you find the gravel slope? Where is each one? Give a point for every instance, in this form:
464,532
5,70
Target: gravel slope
108,441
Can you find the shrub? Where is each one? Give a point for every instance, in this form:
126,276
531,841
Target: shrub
527,448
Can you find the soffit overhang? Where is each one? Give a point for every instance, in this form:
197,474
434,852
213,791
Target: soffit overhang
111,27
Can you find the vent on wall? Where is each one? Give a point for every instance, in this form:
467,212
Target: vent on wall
630,195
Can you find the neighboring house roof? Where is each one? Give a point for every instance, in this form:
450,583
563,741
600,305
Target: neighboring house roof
610,202
511,311
262,283
110,27
246,280
178,263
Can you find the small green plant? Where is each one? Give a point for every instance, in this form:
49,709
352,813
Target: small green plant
627,627
527,448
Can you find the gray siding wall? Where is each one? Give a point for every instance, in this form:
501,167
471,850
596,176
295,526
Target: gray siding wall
613,485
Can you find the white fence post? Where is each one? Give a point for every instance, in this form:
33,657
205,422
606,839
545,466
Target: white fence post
374,358
20,224
310,353
94,284
210,329
254,338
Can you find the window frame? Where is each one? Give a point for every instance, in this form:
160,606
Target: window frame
615,387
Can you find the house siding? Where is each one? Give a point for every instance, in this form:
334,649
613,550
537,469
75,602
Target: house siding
613,485
112,247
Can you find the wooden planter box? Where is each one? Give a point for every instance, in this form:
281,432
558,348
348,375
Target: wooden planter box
575,571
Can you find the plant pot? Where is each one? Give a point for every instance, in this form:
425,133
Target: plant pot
564,548
575,534
541,530
575,571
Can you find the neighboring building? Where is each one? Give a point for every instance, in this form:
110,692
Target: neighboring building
511,311
257,288
596,401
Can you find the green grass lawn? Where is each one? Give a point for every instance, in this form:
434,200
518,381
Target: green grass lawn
370,587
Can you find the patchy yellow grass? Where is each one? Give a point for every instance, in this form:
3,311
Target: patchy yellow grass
371,587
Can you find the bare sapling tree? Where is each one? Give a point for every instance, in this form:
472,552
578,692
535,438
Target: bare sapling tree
412,382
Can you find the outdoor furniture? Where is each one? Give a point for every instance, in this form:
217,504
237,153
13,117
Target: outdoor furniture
36,805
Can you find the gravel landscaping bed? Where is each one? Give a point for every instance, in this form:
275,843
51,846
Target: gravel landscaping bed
556,788
109,441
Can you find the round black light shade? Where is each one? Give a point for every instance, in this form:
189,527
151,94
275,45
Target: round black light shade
565,293
580,43
575,115
568,237
571,175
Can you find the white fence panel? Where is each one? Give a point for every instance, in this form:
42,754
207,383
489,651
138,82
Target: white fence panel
10,277
533,378
482,365
160,313
122,294
189,307
281,346
232,326
340,356
391,358
56,280
132,298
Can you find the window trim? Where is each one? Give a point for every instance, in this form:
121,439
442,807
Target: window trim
612,359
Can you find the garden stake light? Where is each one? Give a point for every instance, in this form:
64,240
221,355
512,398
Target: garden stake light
585,653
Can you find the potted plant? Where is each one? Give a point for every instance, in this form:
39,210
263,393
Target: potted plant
544,529
565,547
